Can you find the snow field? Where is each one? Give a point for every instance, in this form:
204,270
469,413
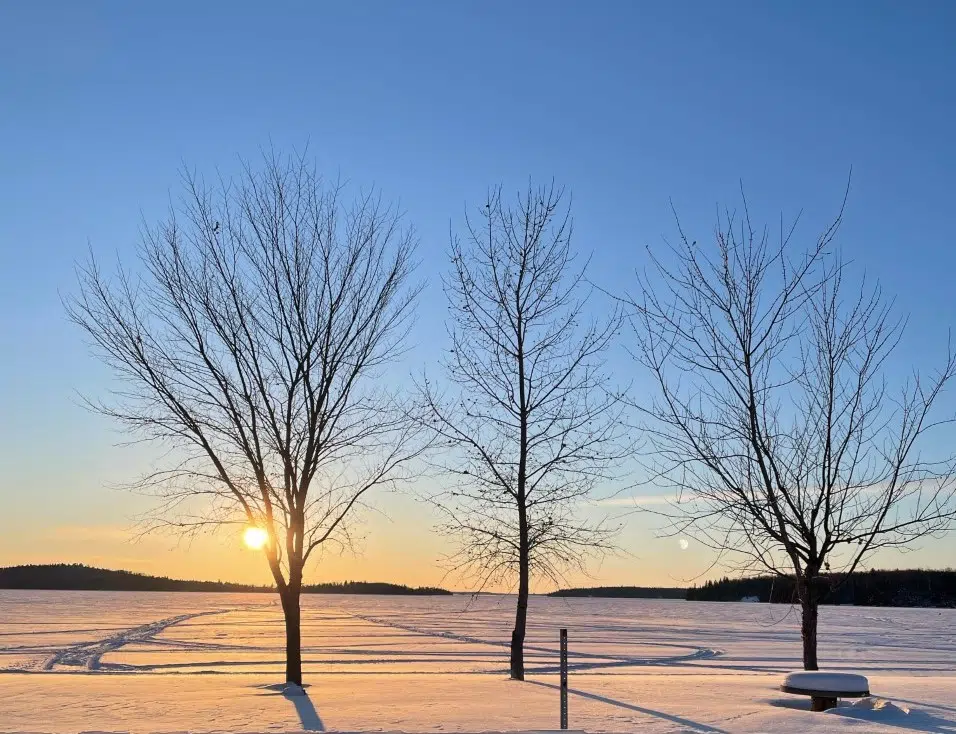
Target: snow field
81,661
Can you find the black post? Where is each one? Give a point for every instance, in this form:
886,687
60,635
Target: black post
564,679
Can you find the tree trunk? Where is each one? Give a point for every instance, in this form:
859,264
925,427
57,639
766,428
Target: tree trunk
524,550
293,635
810,605
521,614
521,623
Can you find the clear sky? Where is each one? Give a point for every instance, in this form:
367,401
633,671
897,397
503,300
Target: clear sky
629,104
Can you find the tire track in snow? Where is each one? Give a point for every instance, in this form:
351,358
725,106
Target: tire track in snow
88,654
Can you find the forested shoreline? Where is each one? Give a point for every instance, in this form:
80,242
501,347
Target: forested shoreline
877,588
78,577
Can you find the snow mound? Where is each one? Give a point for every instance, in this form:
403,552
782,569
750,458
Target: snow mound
293,690
874,709
286,689
831,682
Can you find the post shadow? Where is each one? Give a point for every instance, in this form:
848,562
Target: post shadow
679,720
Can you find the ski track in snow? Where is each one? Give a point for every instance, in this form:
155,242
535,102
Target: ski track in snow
94,633
598,660
429,633
89,654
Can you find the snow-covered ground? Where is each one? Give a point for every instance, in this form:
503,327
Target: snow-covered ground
82,661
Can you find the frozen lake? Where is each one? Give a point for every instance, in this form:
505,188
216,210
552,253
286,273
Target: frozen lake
72,661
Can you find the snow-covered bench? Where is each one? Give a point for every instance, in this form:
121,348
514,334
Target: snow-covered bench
825,688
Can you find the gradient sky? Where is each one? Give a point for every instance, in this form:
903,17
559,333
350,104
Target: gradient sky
630,104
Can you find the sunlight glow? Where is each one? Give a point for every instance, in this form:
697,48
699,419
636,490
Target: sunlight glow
255,538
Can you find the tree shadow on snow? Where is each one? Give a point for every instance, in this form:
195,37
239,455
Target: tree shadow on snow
679,720
890,716
308,717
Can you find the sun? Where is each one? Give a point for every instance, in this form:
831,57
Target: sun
255,538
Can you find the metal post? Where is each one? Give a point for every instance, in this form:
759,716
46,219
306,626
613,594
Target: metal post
564,679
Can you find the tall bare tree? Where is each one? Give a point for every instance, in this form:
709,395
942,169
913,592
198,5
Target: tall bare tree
529,420
775,425
250,345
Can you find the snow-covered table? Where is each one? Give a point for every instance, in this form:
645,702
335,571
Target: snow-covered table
825,687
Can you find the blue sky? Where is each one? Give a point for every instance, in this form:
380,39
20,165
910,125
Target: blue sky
629,104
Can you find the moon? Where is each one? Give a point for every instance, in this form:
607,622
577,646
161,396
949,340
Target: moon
684,545
255,538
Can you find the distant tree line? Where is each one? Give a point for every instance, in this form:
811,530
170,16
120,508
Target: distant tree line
910,588
372,587
624,592
78,577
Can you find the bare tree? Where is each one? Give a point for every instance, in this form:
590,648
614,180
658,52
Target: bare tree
775,425
249,346
528,418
